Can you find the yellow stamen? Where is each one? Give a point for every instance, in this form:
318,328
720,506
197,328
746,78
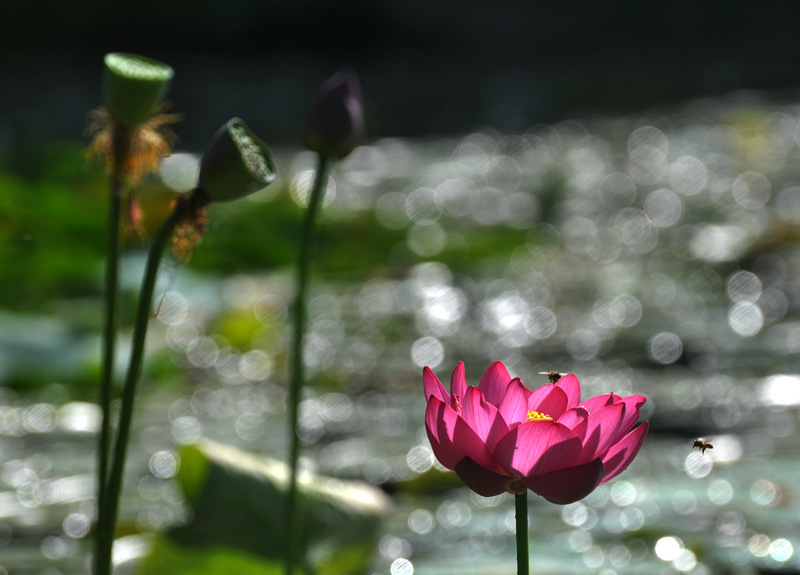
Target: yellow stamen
538,416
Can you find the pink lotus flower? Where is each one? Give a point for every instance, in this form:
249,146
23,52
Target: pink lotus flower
501,436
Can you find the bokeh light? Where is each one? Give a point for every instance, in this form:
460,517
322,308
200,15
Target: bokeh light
653,253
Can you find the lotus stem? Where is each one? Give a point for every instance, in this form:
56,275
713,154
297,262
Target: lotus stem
108,514
521,504
294,531
122,140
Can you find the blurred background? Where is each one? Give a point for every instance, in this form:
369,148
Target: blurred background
605,188
429,68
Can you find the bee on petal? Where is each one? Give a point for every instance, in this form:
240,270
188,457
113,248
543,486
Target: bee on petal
702,444
552,376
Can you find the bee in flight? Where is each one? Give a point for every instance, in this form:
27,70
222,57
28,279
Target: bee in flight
552,376
702,444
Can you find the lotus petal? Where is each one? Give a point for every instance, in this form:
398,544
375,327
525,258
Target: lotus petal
571,386
620,456
483,418
452,439
494,382
433,387
514,406
567,485
538,447
550,400
481,480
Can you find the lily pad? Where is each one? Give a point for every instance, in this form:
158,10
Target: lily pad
238,510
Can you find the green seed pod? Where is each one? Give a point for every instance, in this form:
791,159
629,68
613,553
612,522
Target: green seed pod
133,86
235,164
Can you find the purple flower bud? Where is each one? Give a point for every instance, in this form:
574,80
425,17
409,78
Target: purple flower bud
336,122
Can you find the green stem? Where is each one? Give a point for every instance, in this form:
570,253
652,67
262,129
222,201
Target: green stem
121,149
521,504
108,515
294,519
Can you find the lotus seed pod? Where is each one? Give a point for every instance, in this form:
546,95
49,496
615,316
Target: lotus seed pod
133,87
235,164
336,121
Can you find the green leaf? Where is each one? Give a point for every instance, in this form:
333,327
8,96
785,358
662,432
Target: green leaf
238,506
168,557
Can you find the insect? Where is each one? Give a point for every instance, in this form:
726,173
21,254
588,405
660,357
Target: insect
552,376
702,444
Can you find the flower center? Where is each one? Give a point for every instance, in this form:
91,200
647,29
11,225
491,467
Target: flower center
538,416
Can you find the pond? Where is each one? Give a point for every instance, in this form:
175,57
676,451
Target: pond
655,253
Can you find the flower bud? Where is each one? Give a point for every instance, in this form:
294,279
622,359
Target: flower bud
133,86
235,164
336,122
